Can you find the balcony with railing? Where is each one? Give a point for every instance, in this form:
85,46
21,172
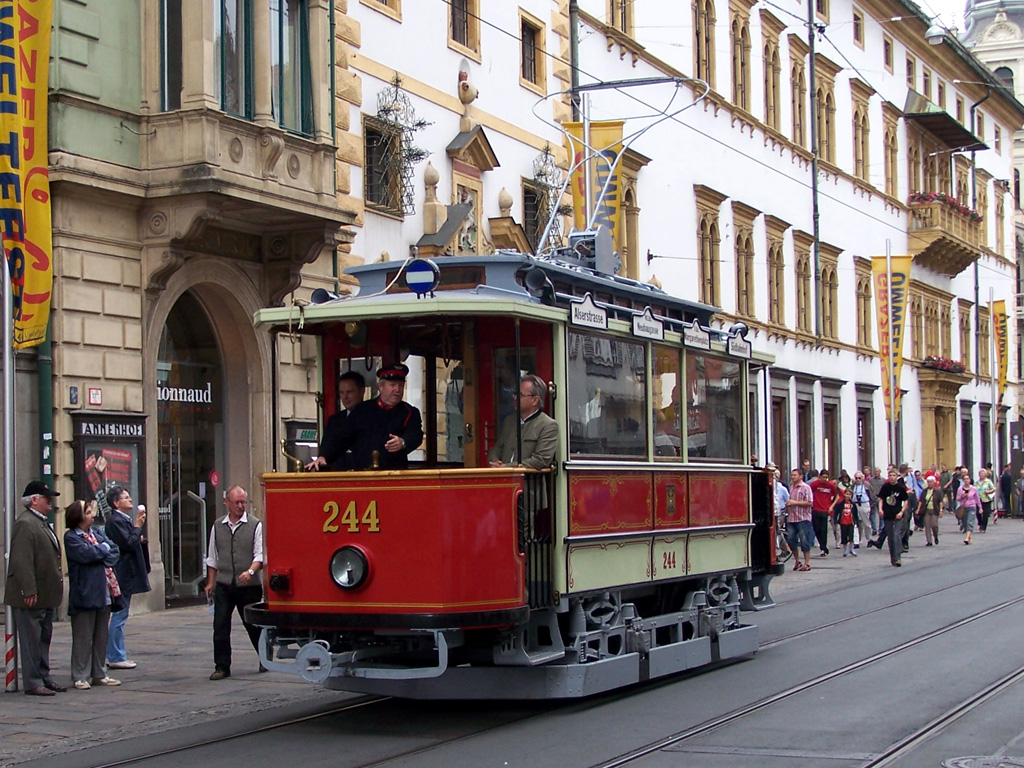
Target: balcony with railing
944,235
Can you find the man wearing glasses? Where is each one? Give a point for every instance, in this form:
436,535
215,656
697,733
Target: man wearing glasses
539,431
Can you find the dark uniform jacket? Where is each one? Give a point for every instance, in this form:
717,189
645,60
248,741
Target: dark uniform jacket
34,565
87,570
368,426
329,445
130,569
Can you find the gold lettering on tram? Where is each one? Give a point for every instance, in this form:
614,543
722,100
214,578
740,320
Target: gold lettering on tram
350,518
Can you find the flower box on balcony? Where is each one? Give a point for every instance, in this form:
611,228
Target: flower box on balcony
943,364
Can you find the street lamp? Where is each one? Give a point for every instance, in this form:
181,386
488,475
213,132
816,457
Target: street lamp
936,33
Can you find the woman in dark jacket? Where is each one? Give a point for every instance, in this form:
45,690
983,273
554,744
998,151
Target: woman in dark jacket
92,591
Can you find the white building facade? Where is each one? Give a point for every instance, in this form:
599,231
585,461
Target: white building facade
724,208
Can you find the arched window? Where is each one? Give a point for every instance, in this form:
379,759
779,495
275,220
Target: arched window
1006,75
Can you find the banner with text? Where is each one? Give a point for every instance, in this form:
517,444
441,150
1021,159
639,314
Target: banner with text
891,324
999,328
24,173
606,137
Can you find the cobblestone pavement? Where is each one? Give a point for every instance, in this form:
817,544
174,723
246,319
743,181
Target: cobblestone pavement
169,689
836,569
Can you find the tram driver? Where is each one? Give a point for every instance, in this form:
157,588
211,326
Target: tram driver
382,431
539,431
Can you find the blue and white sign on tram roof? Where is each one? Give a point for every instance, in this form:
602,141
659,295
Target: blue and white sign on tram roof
422,276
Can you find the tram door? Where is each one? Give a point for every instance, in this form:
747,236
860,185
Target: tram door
191,443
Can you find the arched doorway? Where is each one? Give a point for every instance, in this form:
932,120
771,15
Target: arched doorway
191,441
206,310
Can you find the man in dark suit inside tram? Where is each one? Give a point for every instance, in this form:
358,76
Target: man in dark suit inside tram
351,391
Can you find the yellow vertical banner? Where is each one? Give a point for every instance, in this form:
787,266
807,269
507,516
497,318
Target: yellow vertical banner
892,321
999,328
24,173
606,138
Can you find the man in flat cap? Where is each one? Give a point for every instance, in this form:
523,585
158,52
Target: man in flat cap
386,426
35,587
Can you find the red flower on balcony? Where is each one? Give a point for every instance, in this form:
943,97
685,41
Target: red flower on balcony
943,364
948,201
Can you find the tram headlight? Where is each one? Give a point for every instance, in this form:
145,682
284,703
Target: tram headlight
349,568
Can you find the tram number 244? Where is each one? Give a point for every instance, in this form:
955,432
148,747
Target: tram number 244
350,518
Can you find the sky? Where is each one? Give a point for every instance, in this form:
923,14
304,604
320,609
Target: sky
950,12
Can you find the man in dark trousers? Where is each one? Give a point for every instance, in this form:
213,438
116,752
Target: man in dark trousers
825,493
1005,494
380,433
892,502
234,560
35,587
351,392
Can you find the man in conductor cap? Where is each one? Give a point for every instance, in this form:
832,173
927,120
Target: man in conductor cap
35,587
379,433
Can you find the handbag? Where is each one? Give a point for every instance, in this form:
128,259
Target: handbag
959,511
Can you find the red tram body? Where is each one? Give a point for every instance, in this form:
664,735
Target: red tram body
629,559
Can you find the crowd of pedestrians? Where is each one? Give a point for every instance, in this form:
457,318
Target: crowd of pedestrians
884,510
106,566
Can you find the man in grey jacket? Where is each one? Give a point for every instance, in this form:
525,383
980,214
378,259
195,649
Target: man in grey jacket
35,587
539,431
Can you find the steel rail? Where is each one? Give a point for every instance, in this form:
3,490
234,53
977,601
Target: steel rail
625,759
906,745
838,622
731,717
366,701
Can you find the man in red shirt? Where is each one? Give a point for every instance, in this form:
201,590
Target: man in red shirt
825,494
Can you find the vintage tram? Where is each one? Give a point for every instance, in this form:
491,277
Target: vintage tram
629,559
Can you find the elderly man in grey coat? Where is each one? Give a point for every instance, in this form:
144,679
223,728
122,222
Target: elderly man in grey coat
35,587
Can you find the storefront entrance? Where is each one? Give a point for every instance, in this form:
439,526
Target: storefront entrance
191,443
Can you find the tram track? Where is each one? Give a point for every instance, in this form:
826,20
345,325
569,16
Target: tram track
360,703
906,745
891,754
917,596
680,737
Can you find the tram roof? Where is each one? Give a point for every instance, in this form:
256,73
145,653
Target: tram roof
489,285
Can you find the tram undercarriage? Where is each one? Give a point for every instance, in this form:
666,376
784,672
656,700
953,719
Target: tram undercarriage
603,641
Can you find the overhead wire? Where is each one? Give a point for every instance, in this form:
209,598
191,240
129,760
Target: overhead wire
758,161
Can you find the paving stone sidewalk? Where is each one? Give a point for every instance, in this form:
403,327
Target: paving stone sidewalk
169,689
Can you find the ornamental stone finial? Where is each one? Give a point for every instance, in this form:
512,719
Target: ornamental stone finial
505,202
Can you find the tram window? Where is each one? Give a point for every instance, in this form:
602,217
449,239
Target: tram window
668,406
606,398
450,412
714,408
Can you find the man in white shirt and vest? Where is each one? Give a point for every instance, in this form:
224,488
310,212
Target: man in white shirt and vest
233,563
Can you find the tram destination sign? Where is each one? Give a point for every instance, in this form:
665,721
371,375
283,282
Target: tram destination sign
696,337
647,326
586,313
739,347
